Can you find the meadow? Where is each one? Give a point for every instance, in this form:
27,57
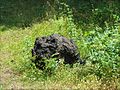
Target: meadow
99,46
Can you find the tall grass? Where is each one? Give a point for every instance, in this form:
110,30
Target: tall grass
100,48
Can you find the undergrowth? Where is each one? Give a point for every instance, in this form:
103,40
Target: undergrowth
100,47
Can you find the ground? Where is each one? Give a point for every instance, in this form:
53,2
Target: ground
15,75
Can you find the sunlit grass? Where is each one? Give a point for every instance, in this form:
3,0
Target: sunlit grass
18,71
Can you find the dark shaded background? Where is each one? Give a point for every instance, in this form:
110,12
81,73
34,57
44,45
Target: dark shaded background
22,13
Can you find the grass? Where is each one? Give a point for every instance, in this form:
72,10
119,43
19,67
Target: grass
18,72
21,13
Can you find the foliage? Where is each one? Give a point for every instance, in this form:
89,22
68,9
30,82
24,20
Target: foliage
104,51
101,44
96,33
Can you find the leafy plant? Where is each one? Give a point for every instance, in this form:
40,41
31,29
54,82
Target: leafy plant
104,52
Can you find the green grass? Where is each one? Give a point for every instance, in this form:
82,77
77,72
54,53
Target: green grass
18,72
21,13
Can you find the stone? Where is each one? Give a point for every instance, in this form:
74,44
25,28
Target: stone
55,45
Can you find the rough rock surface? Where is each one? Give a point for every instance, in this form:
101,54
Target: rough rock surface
55,44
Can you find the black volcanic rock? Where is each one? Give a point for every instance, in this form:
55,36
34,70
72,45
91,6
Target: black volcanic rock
47,46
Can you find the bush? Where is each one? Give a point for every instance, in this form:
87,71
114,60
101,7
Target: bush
103,51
